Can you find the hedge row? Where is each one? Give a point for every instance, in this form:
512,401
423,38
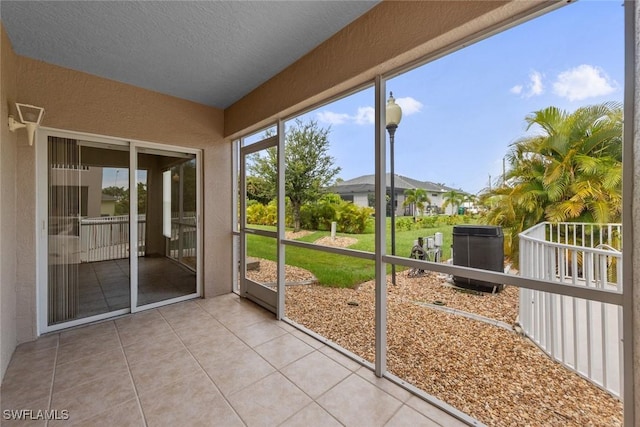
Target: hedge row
319,215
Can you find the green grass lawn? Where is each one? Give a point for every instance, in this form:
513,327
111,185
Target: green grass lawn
343,271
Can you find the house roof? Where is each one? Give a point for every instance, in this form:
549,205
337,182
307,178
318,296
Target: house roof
366,184
210,52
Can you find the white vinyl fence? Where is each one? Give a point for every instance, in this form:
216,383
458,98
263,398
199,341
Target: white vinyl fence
107,238
585,336
184,237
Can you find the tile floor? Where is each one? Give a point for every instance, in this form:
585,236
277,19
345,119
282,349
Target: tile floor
104,286
209,362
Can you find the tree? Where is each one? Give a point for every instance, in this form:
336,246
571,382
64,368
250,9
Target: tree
453,198
416,197
570,171
121,195
471,202
259,189
309,169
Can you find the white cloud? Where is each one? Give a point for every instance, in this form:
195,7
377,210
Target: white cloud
517,89
409,105
365,116
583,81
533,87
333,118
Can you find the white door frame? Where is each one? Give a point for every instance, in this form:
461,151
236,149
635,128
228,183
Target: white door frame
41,231
249,288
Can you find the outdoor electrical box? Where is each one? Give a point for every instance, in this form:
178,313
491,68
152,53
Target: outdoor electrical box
478,246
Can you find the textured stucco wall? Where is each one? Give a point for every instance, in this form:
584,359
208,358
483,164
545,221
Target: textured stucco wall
8,150
81,102
391,34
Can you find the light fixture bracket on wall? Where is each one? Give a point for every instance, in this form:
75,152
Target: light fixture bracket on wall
30,118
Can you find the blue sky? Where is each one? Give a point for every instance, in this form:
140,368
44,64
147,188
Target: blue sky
462,111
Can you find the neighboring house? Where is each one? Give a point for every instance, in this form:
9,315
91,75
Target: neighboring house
108,206
361,191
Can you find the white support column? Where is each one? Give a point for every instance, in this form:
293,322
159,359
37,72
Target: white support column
631,216
281,223
380,229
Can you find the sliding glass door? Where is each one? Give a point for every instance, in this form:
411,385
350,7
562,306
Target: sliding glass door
167,262
88,230
114,241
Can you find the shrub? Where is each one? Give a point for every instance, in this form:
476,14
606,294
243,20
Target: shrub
426,221
405,224
256,214
315,216
259,214
353,219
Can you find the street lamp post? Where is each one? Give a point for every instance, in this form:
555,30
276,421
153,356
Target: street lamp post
393,116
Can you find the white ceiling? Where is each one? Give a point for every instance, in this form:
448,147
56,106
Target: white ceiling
210,52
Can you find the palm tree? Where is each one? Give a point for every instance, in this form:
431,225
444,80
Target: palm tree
471,200
570,171
454,199
416,197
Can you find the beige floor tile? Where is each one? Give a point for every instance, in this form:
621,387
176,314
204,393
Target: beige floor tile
156,372
69,336
408,416
187,315
383,383
260,332
89,399
180,307
307,339
137,319
243,318
231,375
204,331
220,351
283,350
18,395
30,364
89,369
134,332
219,304
28,378
311,415
21,419
357,402
186,320
87,345
191,401
434,413
315,373
287,327
127,414
269,401
345,361
147,349
42,343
